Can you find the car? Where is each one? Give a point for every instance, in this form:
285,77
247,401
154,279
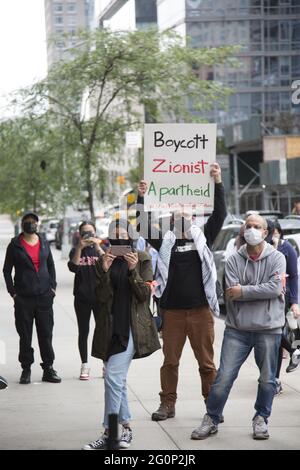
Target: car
291,232
222,243
267,214
72,223
293,217
49,228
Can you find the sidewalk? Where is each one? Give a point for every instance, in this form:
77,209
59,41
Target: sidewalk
67,415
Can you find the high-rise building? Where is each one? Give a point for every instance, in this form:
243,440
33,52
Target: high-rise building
268,32
127,14
65,16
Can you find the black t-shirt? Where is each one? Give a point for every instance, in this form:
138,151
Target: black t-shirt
184,289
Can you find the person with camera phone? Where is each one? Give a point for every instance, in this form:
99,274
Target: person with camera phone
125,328
82,262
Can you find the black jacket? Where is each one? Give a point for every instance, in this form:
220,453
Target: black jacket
85,274
27,282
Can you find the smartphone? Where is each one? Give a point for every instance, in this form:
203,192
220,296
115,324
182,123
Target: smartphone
120,250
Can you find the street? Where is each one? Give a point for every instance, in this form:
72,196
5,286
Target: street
68,415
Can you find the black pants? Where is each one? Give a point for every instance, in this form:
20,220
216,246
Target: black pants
28,309
83,310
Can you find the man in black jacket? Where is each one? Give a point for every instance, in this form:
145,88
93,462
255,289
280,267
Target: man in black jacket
187,293
33,291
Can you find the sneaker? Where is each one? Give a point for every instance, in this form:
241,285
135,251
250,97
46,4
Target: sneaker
25,377
163,412
84,372
294,362
126,438
98,444
50,375
260,428
279,388
3,383
206,428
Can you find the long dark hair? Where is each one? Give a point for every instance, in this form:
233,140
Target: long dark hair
86,222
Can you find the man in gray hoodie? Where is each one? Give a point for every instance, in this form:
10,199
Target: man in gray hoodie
255,278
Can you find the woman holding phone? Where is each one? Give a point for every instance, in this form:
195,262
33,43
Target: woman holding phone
125,328
82,262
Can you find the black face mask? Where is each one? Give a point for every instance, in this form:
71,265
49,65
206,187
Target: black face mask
30,227
120,242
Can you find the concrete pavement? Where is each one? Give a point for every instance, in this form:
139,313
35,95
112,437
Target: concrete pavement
67,415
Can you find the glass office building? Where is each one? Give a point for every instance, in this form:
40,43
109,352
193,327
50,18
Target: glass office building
268,32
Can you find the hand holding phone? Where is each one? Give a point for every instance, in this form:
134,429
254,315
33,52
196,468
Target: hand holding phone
120,250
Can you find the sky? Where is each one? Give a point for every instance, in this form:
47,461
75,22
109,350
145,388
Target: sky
22,44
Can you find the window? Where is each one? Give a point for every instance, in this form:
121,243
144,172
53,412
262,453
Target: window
58,7
72,20
284,65
71,7
58,20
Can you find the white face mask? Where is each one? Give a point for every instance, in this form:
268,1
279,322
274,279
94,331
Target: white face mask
253,236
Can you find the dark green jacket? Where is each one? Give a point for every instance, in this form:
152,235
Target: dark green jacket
144,332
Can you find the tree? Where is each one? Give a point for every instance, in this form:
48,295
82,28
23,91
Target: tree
112,78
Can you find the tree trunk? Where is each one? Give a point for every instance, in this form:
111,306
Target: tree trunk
89,185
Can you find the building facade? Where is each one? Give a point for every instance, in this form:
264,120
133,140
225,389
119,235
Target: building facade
268,32
65,16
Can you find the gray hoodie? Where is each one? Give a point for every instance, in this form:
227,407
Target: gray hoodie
261,305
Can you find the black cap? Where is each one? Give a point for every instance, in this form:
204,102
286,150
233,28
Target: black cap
30,214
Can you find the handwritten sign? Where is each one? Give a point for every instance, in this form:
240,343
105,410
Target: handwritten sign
177,165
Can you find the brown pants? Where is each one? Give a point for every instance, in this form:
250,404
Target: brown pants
198,325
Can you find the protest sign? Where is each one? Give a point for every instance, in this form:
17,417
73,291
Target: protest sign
177,159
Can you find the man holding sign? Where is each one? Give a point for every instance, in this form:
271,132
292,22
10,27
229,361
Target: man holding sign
186,274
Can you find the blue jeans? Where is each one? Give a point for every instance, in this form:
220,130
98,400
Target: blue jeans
236,347
116,369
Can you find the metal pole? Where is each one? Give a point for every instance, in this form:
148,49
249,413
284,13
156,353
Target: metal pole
236,183
113,434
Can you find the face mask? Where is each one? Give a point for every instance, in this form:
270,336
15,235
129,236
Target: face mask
30,227
253,236
120,242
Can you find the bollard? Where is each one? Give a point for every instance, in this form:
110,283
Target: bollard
113,432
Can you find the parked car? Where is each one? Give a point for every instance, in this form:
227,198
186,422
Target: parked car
72,223
291,232
267,214
49,228
221,244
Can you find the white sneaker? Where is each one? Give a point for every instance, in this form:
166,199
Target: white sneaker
126,438
206,428
260,428
98,444
84,372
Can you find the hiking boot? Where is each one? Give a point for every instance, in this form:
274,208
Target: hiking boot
84,372
51,376
206,429
126,438
164,411
260,428
98,444
25,377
